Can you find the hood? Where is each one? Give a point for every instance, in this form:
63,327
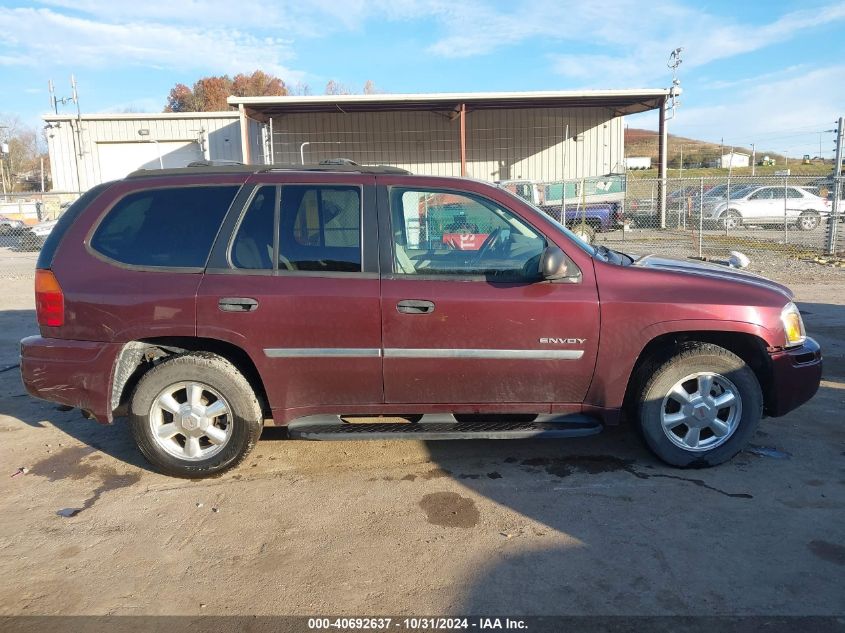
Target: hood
711,270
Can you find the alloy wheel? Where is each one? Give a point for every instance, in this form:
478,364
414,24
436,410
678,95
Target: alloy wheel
701,411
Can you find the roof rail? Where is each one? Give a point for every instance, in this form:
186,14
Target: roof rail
231,167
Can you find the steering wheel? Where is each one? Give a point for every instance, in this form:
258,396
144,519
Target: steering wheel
495,241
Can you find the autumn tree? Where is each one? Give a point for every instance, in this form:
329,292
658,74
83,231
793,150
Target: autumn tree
258,84
209,94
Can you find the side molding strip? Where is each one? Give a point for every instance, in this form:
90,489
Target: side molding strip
400,352
321,352
499,354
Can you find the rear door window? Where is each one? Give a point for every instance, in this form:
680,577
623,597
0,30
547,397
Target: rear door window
320,228
164,228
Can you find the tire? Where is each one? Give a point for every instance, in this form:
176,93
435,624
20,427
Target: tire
495,417
688,369
808,221
731,220
584,231
236,430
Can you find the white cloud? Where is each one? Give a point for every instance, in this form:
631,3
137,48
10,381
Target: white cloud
43,37
782,113
633,38
706,38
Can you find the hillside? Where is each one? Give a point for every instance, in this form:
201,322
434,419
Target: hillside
640,142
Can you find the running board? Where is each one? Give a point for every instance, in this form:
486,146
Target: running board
443,427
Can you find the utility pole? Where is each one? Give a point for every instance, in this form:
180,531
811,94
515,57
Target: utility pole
837,189
681,168
753,160
4,151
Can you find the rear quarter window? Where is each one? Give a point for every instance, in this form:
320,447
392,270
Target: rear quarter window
65,220
164,228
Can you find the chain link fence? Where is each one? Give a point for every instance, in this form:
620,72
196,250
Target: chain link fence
774,219
21,236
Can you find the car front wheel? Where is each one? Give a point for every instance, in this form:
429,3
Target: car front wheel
699,407
195,415
808,221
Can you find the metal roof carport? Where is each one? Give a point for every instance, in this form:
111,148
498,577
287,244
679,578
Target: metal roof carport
257,113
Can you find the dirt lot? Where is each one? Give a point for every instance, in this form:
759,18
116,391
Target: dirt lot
591,526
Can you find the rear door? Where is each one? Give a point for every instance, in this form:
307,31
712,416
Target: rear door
293,280
465,318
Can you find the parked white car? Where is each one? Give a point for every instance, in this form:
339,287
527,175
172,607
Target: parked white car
769,205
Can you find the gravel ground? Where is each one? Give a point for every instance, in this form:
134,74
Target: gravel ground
590,526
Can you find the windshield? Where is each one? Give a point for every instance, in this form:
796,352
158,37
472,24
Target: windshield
577,240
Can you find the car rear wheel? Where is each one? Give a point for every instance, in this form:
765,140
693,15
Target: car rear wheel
195,415
731,220
700,406
808,221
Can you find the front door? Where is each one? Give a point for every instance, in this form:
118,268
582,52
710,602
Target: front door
466,318
296,288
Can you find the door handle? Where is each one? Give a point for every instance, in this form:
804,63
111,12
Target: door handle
415,306
237,304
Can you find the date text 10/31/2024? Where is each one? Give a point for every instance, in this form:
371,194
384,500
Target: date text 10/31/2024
415,624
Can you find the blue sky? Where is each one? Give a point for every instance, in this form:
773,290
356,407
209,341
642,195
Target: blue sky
764,72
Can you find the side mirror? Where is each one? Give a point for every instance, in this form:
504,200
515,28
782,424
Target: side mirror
554,264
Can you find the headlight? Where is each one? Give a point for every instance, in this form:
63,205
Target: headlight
793,326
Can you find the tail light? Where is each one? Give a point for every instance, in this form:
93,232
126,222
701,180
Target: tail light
49,300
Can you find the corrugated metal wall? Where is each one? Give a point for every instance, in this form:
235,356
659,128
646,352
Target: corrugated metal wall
501,144
68,149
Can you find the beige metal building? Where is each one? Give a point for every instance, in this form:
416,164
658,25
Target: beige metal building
539,136
94,148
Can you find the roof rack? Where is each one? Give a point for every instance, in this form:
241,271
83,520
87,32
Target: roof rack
231,167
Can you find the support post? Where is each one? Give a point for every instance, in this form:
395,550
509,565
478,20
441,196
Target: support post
662,150
272,149
836,194
245,153
463,117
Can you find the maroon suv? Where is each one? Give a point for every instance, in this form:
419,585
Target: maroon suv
205,302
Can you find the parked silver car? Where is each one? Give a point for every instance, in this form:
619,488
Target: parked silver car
769,205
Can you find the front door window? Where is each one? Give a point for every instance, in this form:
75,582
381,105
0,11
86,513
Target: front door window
450,234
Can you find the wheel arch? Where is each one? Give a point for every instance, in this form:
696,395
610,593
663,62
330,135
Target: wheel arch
750,347
139,356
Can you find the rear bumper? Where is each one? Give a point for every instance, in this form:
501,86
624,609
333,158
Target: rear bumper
796,374
74,373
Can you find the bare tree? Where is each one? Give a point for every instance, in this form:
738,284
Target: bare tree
21,166
336,88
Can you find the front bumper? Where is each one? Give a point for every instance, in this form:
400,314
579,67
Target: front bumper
74,373
796,374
